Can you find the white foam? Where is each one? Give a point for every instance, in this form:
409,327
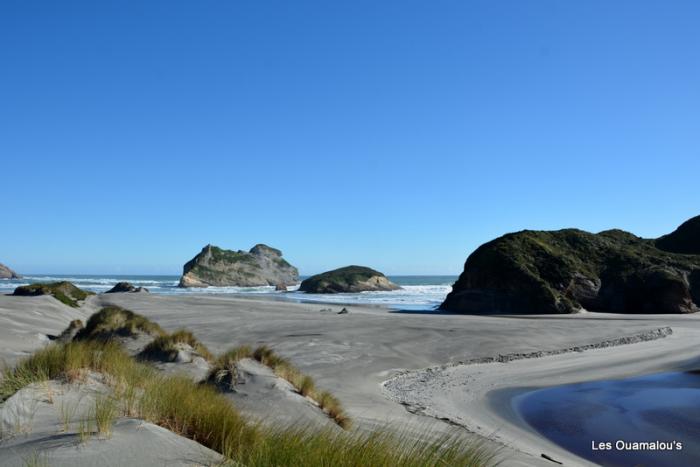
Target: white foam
425,296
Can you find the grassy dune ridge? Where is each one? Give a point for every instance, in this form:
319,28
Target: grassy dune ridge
64,291
202,413
114,321
224,368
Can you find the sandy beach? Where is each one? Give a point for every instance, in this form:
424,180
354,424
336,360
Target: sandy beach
349,234
402,368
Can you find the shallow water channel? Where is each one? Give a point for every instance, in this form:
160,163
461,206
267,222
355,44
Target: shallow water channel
649,420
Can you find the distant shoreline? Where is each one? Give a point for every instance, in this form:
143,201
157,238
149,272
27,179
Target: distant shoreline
419,292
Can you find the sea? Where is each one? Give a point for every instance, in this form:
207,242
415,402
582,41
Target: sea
417,292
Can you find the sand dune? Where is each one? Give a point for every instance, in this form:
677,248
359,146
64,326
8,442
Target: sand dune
352,355
25,323
41,424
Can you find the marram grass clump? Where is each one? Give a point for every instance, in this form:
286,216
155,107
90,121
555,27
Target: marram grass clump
284,369
114,321
224,373
69,362
166,347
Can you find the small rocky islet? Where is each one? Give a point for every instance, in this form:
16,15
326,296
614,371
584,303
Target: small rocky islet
565,271
261,266
526,272
126,287
349,279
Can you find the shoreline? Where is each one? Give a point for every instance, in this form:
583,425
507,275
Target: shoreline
491,387
410,297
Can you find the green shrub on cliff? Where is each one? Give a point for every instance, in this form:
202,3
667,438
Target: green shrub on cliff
347,279
562,271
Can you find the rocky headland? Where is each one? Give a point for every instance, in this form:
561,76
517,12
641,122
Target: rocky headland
261,266
564,271
7,273
685,239
350,279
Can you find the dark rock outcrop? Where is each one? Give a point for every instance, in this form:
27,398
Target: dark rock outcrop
7,273
126,287
685,239
64,291
350,279
532,272
261,266
694,283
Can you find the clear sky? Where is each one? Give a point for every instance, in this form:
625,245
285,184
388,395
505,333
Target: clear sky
394,134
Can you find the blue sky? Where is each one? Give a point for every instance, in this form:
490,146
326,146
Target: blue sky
394,134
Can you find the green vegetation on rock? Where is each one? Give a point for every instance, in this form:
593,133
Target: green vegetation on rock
685,239
260,266
63,291
350,279
566,270
229,256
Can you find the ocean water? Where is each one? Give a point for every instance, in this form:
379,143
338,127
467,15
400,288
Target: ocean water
417,292
602,420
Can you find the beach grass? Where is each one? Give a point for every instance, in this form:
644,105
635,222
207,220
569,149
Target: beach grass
85,429
105,414
67,410
304,384
114,321
166,346
36,459
200,412
380,447
225,369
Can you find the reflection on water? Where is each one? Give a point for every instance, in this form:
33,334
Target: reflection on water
602,420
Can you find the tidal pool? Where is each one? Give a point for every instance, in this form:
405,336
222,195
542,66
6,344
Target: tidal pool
602,420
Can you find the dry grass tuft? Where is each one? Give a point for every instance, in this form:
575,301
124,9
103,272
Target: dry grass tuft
224,371
304,384
332,406
166,347
105,413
